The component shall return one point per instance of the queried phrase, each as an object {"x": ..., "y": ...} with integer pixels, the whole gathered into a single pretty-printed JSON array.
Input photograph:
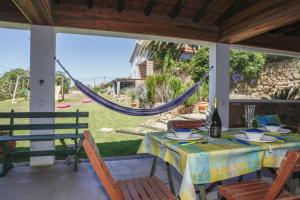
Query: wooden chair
[
  {"x": 129, "y": 189},
  {"x": 261, "y": 190}
]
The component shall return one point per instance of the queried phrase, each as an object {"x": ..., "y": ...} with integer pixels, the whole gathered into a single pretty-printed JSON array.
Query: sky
[{"x": 86, "y": 57}]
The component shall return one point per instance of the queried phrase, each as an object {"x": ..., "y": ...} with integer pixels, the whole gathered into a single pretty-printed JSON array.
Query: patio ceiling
[{"x": 273, "y": 24}]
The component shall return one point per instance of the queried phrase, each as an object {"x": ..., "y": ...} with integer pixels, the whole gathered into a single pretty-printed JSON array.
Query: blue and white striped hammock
[{"x": 131, "y": 111}]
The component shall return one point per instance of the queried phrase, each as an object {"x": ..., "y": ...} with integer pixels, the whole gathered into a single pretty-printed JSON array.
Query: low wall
[{"x": 288, "y": 111}]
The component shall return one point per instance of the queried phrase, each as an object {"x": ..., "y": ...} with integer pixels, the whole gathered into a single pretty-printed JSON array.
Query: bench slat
[
  {"x": 43, "y": 126},
  {"x": 43, "y": 114},
  {"x": 46, "y": 137},
  {"x": 42, "y": 153}
]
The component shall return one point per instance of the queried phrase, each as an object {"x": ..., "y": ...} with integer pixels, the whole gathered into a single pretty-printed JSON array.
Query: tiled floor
[{"x": 60, "y": 182}]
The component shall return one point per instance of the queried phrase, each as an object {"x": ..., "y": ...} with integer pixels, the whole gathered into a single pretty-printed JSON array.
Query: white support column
[
  {"x": 118, "y": 88},
  {"x": 219, "y": 79},
  {"x": 42, "y": 85}
]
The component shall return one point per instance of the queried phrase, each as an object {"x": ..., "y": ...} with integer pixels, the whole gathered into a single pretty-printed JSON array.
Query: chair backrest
[
  {"x": 100, "y": 167},
  {"x": 192, "y": 124},
  {"x": 260, "y": 120},
  {"x": 290, "y": 164}
]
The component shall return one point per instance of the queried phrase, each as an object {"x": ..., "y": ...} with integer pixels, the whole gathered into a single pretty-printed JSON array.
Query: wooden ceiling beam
[
  {"x": 36, "y": 12},
  {"x": 9, "y": 13},
  {"x": 293, "y": 30},
  {"x": 104, "y": 19},
  {"x": 260, "y": 18},
  {"x": 90, "y": 3},
  {"x": 274, "y": 42},
  {"x": 120, "y": 5},
  {"x": 176, "y": 9},
  {"x": 149, "y": 7},
  {"x": 202, "y": 11},
  {"x": 236, "y": 6}
]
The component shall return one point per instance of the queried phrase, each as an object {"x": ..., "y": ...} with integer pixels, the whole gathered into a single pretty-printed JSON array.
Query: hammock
[{"x": 131, "y": 111}]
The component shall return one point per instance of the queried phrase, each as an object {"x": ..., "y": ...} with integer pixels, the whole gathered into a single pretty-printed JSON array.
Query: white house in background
[{"x": 141, "y": 66}]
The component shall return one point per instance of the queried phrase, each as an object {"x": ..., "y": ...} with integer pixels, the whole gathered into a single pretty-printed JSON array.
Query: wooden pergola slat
[
  {"x": 36, "y": 12},
  {"x": 90, "y": 3},
  {"x": 149, "y": 6},
  {"x": 120, "y": 5},
  {"x": 179, "y": 5},
  {"x": 201, "y": 12},
  {"x": 260, "y": 18}
]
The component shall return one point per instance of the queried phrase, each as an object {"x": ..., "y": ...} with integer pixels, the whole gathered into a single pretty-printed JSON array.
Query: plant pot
[
  {"x": 187, "y": 110},
  {"x": 12, "y": 144},
  {"x": 202, "y": 106},
  {"x": 133, "y": 103}
]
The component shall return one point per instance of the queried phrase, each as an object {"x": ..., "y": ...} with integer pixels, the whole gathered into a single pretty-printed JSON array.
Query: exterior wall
[
  {"x": 143, "y": 71},
  {"x": 135, "y": 61},
  {"x": 288, "y": 111},
  {"x": 186, "y": 56},
  {"x": 149, "y": 67},
  {"x": 139, "y": 82}
]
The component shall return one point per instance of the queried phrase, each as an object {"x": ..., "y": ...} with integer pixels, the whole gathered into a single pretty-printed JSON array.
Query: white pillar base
[
  {"x": 219, "y": 79},
  {"x": 42, "y": 86}
]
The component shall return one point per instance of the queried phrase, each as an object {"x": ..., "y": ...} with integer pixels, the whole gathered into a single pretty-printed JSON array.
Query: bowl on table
[
  {"x": 254, "y": 134},
  {"x": 183, "y": 133},
  {"x": 272, "y": 127}
]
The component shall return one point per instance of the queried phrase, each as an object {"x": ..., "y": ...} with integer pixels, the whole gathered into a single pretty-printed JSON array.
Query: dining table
[{"x": 211, "y": 160}]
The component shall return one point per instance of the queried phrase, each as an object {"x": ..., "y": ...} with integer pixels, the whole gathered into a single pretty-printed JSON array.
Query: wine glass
[
  {"x": 249, "y": 115},
  {"x": 208, "y": 122}
]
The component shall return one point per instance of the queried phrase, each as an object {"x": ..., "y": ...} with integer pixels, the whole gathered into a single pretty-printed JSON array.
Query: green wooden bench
[{"x": 11, "y": 126}]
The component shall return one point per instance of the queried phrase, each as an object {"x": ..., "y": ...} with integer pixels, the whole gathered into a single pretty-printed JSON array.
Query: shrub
[
  {"x": 163, "y": 88},
  {"x": 141, "y": 92},
  {"x": 150, "y": 85},
  {"x": 130, "y": 92}
]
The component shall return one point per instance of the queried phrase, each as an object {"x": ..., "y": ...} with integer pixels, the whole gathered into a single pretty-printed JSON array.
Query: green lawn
[{"x": 110, "y": 143}]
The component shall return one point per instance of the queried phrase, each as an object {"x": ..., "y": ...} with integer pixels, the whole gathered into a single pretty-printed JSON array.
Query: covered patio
[
  {"x": 259, "y": 25},
  {"x": 59, "y": 182}
]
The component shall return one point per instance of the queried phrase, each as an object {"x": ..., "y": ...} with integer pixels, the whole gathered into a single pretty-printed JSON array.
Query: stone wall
[
  {"x": 278, "y": 81},
  {"x": 288, "y": 111}
]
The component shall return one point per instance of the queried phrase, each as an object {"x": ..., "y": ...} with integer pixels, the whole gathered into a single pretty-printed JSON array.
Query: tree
[
  {"x": 246, "y": 64},
  {"x": 8, "y": 82},
  {"x": 199, "y": 64},
  {"x": 61, "y": 76},
  {"x": 159, "y": 51}
]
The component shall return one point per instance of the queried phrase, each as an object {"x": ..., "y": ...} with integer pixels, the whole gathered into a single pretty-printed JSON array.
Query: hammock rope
[{"x": 132, "y": 111}]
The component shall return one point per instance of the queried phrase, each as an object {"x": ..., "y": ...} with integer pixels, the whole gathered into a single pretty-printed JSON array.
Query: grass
[{"x": 109, "y": 143}]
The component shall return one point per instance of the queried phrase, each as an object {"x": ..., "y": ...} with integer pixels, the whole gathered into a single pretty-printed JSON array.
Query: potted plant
[
  {"x": 12, "y": 144},
  {"x": 131, "y": 93},
  {"x": 202, "y": 106}
]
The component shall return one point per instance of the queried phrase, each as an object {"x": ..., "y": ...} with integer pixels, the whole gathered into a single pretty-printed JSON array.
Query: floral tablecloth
[{"x": 216, "y": 160}]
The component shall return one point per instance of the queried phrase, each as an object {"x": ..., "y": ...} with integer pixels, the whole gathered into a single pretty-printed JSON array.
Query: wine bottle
[{"x": 216, "y": 123}]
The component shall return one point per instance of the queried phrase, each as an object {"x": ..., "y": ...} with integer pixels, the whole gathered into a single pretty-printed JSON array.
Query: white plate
[
  {"x": 265, "y": 138},
  {"x": 203, "y": 128},
  {"x": 281, "y": 130},
  {"x": 284, "y": 130},
  {"x": 172, "y": 136}
]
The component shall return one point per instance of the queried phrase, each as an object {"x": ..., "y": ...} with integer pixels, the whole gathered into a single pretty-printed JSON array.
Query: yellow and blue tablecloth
[{"x": 216, "y": 160}]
